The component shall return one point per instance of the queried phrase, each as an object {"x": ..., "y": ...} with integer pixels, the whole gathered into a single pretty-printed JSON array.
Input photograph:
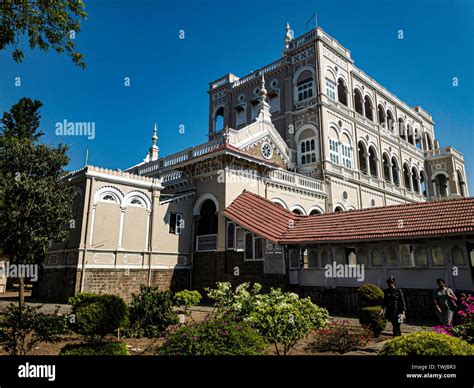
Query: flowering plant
[{"x": 465, "y": 329}]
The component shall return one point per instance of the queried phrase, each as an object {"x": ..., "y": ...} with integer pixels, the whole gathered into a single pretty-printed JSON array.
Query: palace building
[{"x": 308, "y": 161}]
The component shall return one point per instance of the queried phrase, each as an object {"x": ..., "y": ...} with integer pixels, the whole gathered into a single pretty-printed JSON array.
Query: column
[{"x": 120, "y": 239}]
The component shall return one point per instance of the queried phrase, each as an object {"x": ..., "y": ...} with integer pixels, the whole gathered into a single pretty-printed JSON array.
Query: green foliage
[
  {"x": 97, "y": 349},
  {"x": 46, "y": 24},
  {"x": 370, "y": 295},
  {"x": 20, "y": 333},
  {"x": 215, "y": 337},
  {"x": 239, "y": 303},
  {"x": 427, "y": 344},
  {"x": 95, "y": 316},
  {"x": 187, "y": 298},
  {"x": 341, "y": 337},
  {"x": 151, "y": 312},
  {"x": 36, "y": 203},
  {"x": 373, "y": 318},
  {"x": 284, "y": 318}
]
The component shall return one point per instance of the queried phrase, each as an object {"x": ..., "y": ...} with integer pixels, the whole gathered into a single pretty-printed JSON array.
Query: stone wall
[{"x": 60, "y": 284}]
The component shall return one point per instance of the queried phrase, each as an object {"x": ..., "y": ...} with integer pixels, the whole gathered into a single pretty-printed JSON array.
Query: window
[
  {"x": 406, "y": 176},
  {"x": 361, "y": 257},
  {"x": 437, "y": 256},
  {"x": 325, "y": 259},
  {"x": 239, "y": 238},
  {"x": 396, "y": 177},
  {"x": 386, "y": 168},
  {"x": 390, "y": 120},
  {"x": 346, "y": 156},
  {"x": 108, "y": 198},
  {"x": 240, "y": 116},
  {"x": 342, "y": 91},
  {"x": 274, "y": 102},
  {"x": 381, "y": 114},
  {"x": 362, "y": 159},
  {"x": 373, "y": 162},
  {"x": 457, "y": 255},
  {"x": 137, "y": 202},
  {"x": 414, "y": 180},
  {"x": 219, "y": 119},
  {"x": 312, "y": 258},
  {"x": 421, "y": 257},
  {"x": 294, "y": 259},
  {"x": 368, "y": 108},
  {"x": 405, "y": 256},
  {"x": 401, "y": 129},
  {"x": 253, "y": 247},
  {"x": 424, "y": 187},
  {"x": 305, "y": 90},
  {"x": 308, "y": 154},
  {"x": 358, "y": 102},
  {"x": 230, "y": 235},
  {"x": 340, "y": 256},
  {"x": 331, "y": 90},
  {"x": 392, "y": 258},
  {"x": 377, "y": 260},
  {"x": 176, "y": 223},
  {"x": 334, "y": 150}
]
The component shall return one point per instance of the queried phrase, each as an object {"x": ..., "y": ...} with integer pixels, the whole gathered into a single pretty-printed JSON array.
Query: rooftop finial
[
  {"x": 154, "y": 138},
  {"x": 289, "y": 35},
  {"x": 153, "y": 152},
  {"x": 263, "y": 92}
]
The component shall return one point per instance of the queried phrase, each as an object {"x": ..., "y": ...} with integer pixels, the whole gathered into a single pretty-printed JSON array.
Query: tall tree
[
  {"x": 35, "y": 200},
  {"x": 48, "y": 24}
]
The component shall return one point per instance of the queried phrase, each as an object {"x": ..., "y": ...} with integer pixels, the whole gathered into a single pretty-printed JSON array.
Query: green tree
[
  {"x": 48, "y": 25},
  {"x": 35, "y": 200}
]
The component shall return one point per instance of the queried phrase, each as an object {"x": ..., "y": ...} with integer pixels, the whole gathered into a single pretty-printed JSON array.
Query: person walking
[
  {"x": 394, "y": 306},
  {"x": 445, "y": 302}
]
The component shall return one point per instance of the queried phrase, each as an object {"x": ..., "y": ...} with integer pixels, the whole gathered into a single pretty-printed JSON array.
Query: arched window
[
  {"x": 437, "y": 256},
  {"x": 457, "y": 255},
  {"x": 137, "y": 202},
  {"x": 342, "y": 91},
  {"x": 382, "y": 116},
  {"x": 294, "y": 258},
  {"x": 441, "y": 183},
  {"x": 274, "y": 101},
  {"x": 340, "y": 256},
  {"x": 405, "y": 256},
  {"x": 108, "y": 198},
  {"x": 395, "y": 172},
  {"x": 418, "y": 143},
  {"x": 410, "y": 134},
  {"x": 208, "y": 218},
  {"x": 429, "y": 142},
  {"x": 390, "y": 120},
  {"x": 315, "y": 212},
  {"x": 312, "y": 258},
  {"x": 406, "y": 176},
  {"x": 240, "y": 115},
  {"x": 307, "y": 146},
  {"x": 461, "y": 184},
  {"x": 377, "y": 259},
  {"x": 401, "y": 129},
  {"x": 297, "y": 211},
  {"x": 358, "y": 105},
  {"x": 304, "y": 85},
  {"x": 423, "y": 184},
  {"x": 414, "y": 179},
  {"x": 392, "y": 257},
  {"x": 362, "y": 158},
  {"x": 361, "y": 256},
  {"x": 219, "y": 119},
  {"x": 338, "y": 209},
  {"x": 368, "y": 108},
  {"x": 421, "y": 257},
  {"x": 386, "y": 168},
  {"x": 373, "y": 161},
  {"x": 325, "y": 258}
]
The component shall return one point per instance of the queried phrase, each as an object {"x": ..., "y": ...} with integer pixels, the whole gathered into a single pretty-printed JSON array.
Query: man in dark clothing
[{"x": 394, "y": 305}]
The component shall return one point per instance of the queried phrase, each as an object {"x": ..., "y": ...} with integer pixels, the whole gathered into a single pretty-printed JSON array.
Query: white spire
[
  {"x": 289, "y": 35},
  {"x": 153, "y": 152},
  {"x": 263, "y": 106}
]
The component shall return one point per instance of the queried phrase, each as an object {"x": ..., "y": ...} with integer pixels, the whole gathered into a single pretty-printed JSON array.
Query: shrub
[
  {"x": 370, "y": 295},
  {"x": 215, "y": 337},
  {"x": 284, "y": 318},
  {"x": 465, "y": 330},
  {"x": 20, "y": 333},
  {"x": 427, "y": 344},
  {"x": 341, "y": 337},
  {"x": 239, "y": 303},
  {"x": 151, "y": 312},
  {"x": 95, "y": 316},
  {"x": 97, "y": 349},
  {"x": 373, "y": 319}
]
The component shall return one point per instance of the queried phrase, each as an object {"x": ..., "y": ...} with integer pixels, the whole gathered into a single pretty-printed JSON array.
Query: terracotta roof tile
[{"x": 276, "y": 224}]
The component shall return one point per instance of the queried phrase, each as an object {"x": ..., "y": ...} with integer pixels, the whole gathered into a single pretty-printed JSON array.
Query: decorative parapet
[{"x": 444, "y": 151}]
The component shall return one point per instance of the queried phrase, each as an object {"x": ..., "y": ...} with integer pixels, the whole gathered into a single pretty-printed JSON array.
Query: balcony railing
[
  {"x": 206, "y": 243},
  {"x": 444, "y": 151},
  {"x": 296, "y": 180},
  {"x": 305, "y": 103}
]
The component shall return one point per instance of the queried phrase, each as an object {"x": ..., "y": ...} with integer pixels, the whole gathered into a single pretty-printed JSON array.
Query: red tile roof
[{"x": 426, "y": 219}]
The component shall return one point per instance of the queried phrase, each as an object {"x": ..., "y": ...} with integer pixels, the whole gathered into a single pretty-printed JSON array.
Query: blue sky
[{"x": 169, "y": 77}]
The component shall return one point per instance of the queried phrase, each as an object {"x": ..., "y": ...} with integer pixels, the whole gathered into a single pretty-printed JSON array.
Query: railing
[
  {"x": 171, "y": 176},
  {"x": 308, "y": 37},
  {"x": 259, "y": 72},
  {"x": 206, "y": 243},
  {"x": 305, "y": 103},
  {"x": 297, "y": 180},
  {"x": 444, "y": 151}
]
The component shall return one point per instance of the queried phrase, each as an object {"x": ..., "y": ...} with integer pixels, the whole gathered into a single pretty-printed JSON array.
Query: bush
[
  {"x": 95, "y": 316},
  {"x": 373, "y": 319},
  {"x": 427, "y": 344},
  {"x": 370, "y": 295},
  {"x": 239, "y": 303},
  {"x": 186, "y": 299},
  {"x": 97, "y": 349},
  {"x": 465, "y": 329},
  {"x": 215, "y": 337},
  {"x": 20, "y": 333},
  {"x": 151, "y": 312},
  {"x": 341, "y": 337},
  {"x": 284, "y": 318}
]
